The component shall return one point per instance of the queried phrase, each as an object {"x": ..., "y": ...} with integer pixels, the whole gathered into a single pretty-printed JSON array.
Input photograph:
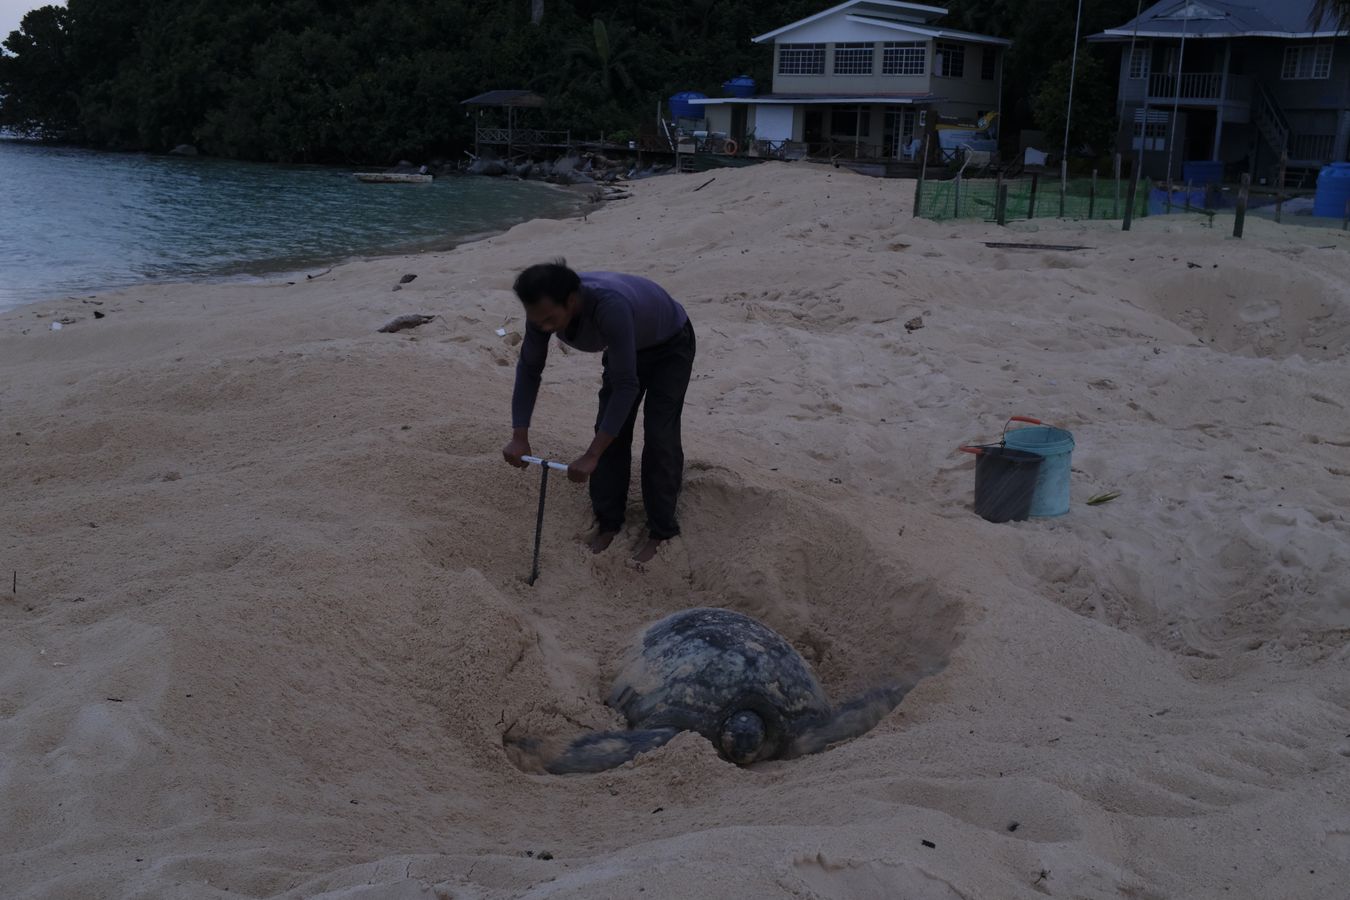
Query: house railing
[
  {"x": 523, "y": 137},
  {"x": 1312, "y": 147},
  {"x": 1191, "y": 86},
  {"x": 845, "y": 149}
]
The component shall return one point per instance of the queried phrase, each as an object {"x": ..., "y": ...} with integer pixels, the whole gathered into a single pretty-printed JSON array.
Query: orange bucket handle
[{"x": 1011, "y": 419}]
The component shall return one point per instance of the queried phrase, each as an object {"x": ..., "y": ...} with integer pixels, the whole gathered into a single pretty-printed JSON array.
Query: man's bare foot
[
  {"x": 648, "y": 550},
  {"x": 600, "y": 543}
]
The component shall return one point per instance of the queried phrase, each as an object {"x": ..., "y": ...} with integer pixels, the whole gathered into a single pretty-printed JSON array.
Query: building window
[
  {"x": 1150, "y": 135},
  {"x": 904, "y": 58},
  {"x": 1140, "y": 57},
  {"x": 950, "y": 60},
  {"x": 853, "y": 59},
  {"x": 850, "y": 121},
  {"x": 989, "y": 65},
  {"x": 1307, "y": 61},
  {"x": 801, "y": 59}
]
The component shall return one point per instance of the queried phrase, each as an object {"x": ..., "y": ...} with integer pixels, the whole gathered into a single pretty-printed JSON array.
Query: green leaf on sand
[{"x": 1103, "y": 498}]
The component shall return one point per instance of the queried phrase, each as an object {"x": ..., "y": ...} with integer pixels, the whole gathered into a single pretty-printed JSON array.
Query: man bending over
[{"x": 646, "y": 344}]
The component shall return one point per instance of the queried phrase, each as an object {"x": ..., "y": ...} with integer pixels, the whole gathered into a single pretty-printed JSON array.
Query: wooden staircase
[
  {"x": 1271, "y": 122},
  {"x": 1272, "y": 125}
]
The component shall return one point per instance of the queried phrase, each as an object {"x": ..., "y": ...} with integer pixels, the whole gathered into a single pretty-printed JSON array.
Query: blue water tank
[
  {"x": 1333, "y": 191},
  {"x": 681, "y": 108},
  {"x": 740, "y": 86},
  {"x": 1202, "y": 172}
]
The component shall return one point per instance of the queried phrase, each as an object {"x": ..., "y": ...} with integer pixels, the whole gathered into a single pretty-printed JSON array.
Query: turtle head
[{"x": 742, "y": 738}]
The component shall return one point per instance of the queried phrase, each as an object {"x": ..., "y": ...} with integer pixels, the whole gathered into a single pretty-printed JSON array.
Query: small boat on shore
[{"x": 392, "y": 177}]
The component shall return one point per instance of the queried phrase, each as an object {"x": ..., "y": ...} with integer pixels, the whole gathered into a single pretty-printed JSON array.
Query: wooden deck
[{"x": 879, "y": 168}]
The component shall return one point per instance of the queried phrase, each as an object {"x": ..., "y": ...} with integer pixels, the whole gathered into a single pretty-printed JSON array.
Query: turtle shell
[{"x": 695, "y": 668}]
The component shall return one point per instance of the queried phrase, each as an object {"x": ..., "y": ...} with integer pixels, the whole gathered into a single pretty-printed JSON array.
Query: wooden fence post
[
  {"x": 1130, "y": 196},
  {"x": 1240, "y": 220},
  {"x": 1279, "y": 186},
  {"x": 1063, "y": 184},
  {"x": 923, "y": 171},
  {"x": 1115, "y": 210},
  {"x": 1131, "y": 193}
]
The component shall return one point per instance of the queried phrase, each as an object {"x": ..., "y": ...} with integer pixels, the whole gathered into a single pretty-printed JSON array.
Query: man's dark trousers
[{"x": 663, "y": 377}]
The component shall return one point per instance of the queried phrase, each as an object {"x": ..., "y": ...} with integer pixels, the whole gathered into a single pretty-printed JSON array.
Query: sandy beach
[{"x": 271, "y": 623}]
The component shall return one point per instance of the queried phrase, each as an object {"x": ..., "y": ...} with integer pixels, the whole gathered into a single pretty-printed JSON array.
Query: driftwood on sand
[{"x": 402, "y": 322}]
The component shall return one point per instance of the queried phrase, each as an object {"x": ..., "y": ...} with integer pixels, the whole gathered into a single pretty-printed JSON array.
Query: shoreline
[
  {"x": 281, "y": 266},
  {"x": 267, "y": 274},
  {"x": 279, "y": 269}
]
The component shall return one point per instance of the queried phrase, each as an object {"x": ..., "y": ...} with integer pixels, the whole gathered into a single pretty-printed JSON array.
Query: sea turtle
[{"x": 729, "y": 678}]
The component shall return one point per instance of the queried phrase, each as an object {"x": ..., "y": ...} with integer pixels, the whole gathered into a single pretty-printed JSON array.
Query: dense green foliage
[
  {"x": 335, "y": 80},
  {"x": 1037, "y": 71},
  {"x": 1094, "y": 104}
]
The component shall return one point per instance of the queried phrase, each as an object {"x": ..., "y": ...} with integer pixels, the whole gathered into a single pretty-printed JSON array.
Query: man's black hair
[{"x": 552, "y": 280}]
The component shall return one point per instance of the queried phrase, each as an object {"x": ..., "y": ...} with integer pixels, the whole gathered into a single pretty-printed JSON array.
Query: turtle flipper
[
  {"x": 848, "y": 721},
  {"x": 601, "y": 750}
]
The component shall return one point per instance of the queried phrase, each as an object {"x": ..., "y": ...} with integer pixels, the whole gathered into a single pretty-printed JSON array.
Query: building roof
[
  {"x": 916, "y": 13},
  {"x": 817, "y": 99},
  {"x": 931, "y": 31},
  {"x": 506, "y": 98},
  {"x": 1224, "y": 19}
]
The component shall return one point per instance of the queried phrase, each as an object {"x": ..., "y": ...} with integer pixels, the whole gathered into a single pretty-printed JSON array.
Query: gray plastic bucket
[
  {"x": 1055, "y": 445},
  {"x": 1005, "y": 482}
]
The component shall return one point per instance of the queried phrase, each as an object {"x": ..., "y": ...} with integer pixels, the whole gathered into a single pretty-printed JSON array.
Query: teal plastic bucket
[{"x": 1055, "y": 445}]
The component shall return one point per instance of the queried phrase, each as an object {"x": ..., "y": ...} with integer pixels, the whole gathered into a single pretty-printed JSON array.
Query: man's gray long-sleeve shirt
[{"x": 619, "y": 314}]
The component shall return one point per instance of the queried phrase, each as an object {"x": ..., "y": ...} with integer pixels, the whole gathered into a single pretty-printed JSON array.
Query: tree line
[{"x": 342, "y": 81}]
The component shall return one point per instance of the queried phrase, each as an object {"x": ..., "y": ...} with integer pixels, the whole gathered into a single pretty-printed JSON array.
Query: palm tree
[{"x": 600, "y": 62}]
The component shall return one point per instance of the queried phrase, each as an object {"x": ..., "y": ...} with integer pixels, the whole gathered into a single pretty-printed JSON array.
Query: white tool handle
[{"x": 534, "y": 460}]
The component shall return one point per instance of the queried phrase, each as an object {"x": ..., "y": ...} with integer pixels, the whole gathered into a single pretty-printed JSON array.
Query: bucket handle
[{"x": 1011, "y": 419}]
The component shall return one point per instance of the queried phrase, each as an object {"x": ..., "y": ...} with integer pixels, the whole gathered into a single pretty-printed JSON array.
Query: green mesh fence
[{"x": 977, "y": 198}]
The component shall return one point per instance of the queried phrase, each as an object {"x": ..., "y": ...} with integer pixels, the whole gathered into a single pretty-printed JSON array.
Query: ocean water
[{"x": 78, "y": 221}]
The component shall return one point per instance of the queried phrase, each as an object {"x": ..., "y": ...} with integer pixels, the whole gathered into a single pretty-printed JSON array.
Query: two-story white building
[{"x": 865, "y": 79}]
